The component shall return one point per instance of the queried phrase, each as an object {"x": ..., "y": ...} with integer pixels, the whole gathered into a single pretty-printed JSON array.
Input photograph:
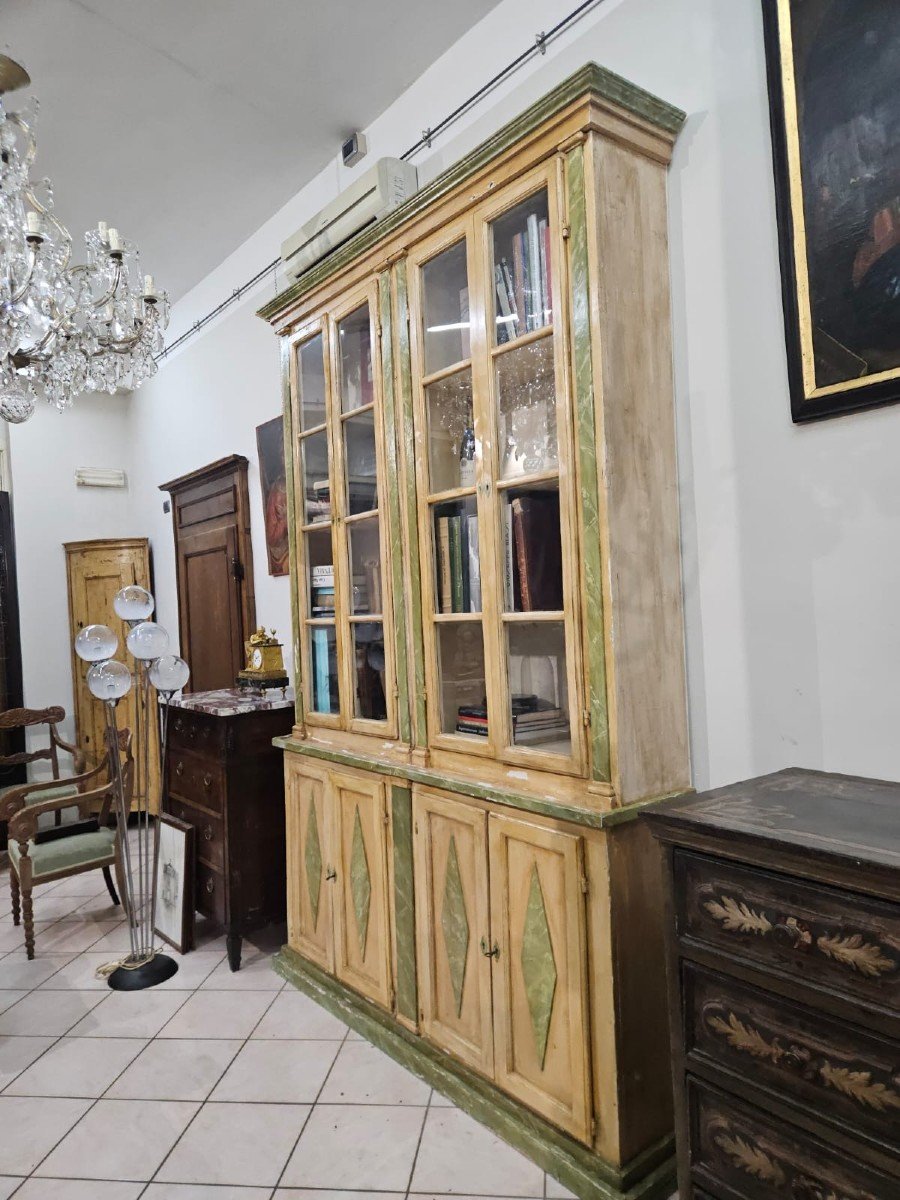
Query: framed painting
[
  {"x": 173, "y": 916},
  {"x": 835, "y": 112},
  {"x": 270, "y": 446}
]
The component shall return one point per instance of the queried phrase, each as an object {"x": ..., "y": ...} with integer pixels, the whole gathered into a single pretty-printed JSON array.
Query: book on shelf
[
  {"x": 523, "y": 281},
  {"x": 444, "y": 574},
  {"x": 534, "y": 552},
  {"x": 458, "y": 569},
  {"x": 474, "y": 564},
  {"x": 472, "y": 718},
  {"x": 506, "y": 317}
]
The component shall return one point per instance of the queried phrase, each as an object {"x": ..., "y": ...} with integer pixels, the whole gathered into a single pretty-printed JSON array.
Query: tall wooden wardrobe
[{"x": 480, "y": 450}]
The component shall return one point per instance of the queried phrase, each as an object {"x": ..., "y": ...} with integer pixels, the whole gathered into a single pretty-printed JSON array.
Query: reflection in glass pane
[
  {"x": 368, "y": 648},
  {"x": 323, "y": 669},
  {"x": 460, "y": 650},
  {"x": 365, "y": 566},
  {"x": 538, "y": 686},
  {"x": 526, "y": 394},
  {"x": 316, "y": 487},
  {"x": 532, "y": 549},
  {"x": 457, "y": 566},
  {"x": 320, "y": 561},
  {"x": 451, "y": 432},
  {"x": 311, "y": 382},
  {"x": 355, "y": 351},
  {"x": 523, "y": 284},
  {"x": 360, "y": 464},
  {"x": 445, "y": 294}
]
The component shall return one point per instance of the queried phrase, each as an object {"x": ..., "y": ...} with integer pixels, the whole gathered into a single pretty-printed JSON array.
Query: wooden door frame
[{"x": 233, "y": 466}]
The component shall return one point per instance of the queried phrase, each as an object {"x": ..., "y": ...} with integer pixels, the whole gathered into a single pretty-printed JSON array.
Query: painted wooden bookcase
[{"x": 481, "y": 469}]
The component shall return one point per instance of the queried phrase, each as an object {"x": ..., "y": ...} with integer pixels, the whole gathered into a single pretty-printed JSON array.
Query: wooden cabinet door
[
  {"x": 309, "y": 866},
  {"x": 362, "y": 944},
  {"x": 453, "y": 928},
  {"x": 96, "y": 571},
  {"x": 540, "y": 1005}
]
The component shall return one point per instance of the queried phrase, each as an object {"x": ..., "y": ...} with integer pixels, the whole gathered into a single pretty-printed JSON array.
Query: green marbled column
[
  {"x": 405, "y": 414},
  {"x": 293, "y": 564},
  {"x": 404, "y": 901},
  {"x": 395, "y": 538},
  {"x": 586, "y": 439}
]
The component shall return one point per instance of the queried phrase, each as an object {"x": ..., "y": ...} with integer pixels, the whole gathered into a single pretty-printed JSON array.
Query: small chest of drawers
[
  {"x": 224, "y": 777},
  {"x": 784, "y": 986}
]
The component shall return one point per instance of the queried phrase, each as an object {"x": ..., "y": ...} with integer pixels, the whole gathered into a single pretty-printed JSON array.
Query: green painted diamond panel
[
  {"x": 312, "y": 858},
  {"x": 455, "y": 924},
  {"x": 360, "y": 882},
  {"x": 538, "y": 965}
]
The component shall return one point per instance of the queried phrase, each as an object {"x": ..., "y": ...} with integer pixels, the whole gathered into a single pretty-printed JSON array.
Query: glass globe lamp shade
[
  {"x": 96, "y": 643},
  {"x": 169, "y": 673},
  {"x": 133, "y": 603},
  {"x": 147, "y": 641},
  {"x": 109, "y": 680}
]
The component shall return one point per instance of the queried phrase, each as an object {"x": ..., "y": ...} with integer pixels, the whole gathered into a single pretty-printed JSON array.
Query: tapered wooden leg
[
  {"x": 14, "y": 894},
  {"x": 110, "y": 887},
  {"x": 28, "y": 915}
]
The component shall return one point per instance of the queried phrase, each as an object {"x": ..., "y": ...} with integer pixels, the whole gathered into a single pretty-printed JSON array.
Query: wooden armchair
[
  {"x": 24, "y": 718},
  {"x": 39, "y": 856}
]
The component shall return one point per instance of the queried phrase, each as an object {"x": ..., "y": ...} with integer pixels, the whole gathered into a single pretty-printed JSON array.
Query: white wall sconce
[{"x": 99, "y": 477}]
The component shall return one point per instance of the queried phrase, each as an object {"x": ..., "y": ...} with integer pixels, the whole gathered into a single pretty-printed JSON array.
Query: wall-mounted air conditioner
[{"x": 368, "y": 199}]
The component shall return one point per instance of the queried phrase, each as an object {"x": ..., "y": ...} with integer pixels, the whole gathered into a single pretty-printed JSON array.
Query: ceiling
[{"x": 187, "y": 123}]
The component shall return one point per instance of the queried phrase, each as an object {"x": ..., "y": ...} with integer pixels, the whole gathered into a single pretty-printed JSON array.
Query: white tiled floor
[{"x": 213, "y": 1086}]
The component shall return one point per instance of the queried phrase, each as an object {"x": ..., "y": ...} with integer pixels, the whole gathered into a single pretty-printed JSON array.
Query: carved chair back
[{"x": 23, "y": 718}]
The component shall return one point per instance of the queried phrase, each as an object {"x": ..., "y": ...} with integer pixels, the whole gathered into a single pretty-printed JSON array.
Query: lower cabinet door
[
  {"x": 362, "y": 944},
  {"x": 309, "y": 866},
  {"x": 453, "y": 929},
  {"x": 540, "y": 1007}
]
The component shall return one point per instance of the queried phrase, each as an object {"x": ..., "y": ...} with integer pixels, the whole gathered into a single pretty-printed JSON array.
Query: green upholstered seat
[
  {"x": 55, "y": 791},
  {"x": 79, "y": 850}
]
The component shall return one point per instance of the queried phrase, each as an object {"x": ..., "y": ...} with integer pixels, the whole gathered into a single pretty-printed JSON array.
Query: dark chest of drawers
[
  {"x": 224, "y": 777},
  {"x": 784, "y": 987}
]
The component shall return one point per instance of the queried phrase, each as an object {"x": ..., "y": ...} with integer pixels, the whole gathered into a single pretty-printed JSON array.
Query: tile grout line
[
  {"x": 203, "y": 1103},
  {"x": 412, "y": 1169}
]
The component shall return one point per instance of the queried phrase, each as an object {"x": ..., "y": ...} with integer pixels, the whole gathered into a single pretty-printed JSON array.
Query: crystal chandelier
[{"x": 64, "y": 329}]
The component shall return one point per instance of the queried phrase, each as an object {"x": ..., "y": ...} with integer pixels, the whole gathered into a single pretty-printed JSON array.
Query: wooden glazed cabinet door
[
  {"x": 309, "y": 866},
  {"x": 362, "y": 943},
  {"x": 96, "y": 571},
  {"x": 540, "y": 1005},
  {"x": 453, "y": 928}
]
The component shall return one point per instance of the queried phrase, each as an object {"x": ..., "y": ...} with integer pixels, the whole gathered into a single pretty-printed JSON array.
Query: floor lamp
[{"x": 157, "y": 676}]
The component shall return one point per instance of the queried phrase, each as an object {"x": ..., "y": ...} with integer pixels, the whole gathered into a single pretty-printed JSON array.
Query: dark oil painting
[
  {"x": 834, "y": 90},
  {"x": 270, "y": 445}
]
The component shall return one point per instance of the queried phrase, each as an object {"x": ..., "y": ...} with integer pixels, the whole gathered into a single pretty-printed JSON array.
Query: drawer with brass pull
[
  {"x": 209, "y": 835},
  {"x": 750, "y": 1154},
  {"x": 210, "y": 892},
  {"x": 831, "y": 938},
  {"x": 851, "y": 1077},
  {"x": 196, "y": 780}
]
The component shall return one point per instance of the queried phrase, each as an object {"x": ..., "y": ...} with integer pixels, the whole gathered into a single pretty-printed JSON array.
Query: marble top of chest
[{"x": 234, "y": 702}]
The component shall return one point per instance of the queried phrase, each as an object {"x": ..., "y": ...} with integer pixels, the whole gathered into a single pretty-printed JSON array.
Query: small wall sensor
[{"x": 354, "y": 149}]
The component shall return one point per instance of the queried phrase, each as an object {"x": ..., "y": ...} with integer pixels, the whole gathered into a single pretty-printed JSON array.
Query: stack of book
[
  {"x": 524, "y": 286},
  {"x": 535, "y": 720},
  {"x": 459, "y": 569},
  {"x": 533, "y": 553},
  {"x": 318, "y": 501},
  {"x": 472, "y": 718},
  {"x": 322, "y": 587}
]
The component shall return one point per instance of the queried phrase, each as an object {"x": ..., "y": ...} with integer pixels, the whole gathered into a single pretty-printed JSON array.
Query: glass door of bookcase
[
  {"x": 315, "y": 516},
  {"x": 347, "y": 665},
  {"x": 495, "y": 469},
  {"x": 533, "y": 500},
  {"x": 361, "y": 536}
]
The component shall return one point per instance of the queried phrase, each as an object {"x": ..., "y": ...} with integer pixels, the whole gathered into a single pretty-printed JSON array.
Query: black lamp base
[{"x": 157, "y": 970}]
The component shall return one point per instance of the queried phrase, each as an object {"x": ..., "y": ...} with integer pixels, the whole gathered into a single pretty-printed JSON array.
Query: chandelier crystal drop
[{"x": 64, "y": 329}]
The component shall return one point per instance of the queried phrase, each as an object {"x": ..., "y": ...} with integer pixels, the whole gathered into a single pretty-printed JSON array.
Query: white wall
[
  {"x": 789, "y": 563},
  {"x": 49, "y": 510}
]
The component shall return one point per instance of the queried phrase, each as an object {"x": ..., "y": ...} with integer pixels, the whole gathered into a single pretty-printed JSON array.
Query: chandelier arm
[
  {"x": 26, "y": 282},
  {"x": 110, "y": 295}
]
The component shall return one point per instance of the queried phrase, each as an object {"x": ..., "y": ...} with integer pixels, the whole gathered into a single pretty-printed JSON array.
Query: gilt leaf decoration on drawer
[
  {"x": 861, "y": 1087},
  {"x": 749, "y": 1158},
  {"x": 854, "y": 951},
  {"x": 745, "y": 1038},
  {"x": 737, "y": 916}
]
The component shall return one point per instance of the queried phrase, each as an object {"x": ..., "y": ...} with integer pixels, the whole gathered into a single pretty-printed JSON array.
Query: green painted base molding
[{"x": 649, "y": 1177}]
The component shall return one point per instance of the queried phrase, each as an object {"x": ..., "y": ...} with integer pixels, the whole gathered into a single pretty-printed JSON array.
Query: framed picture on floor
[
  {"x": 270, "y": 447},
  {"x": 835, "y": 113},
  {"x": 173, "y": 918}
]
